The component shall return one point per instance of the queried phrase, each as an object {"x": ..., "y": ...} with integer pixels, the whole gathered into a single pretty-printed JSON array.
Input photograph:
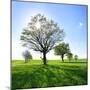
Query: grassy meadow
[{"x": 55, "y": 74}]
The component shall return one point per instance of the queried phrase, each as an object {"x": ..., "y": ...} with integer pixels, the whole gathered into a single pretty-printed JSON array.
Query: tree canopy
[
  {"x": 69, "y": 56},
  {"x": 41, "y": 34},
  {"x": 76, "y": 57},
  {"x": 26, "y": 54},
  {"x": 62, "y": 49}
]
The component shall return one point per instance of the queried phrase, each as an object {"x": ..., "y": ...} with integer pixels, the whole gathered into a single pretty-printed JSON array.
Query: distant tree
[
  {"x": 41, "y": 35},
  {"x": 29, "y": 57},
  {"x": 76, "y": 57},
  {"x": 26, "y": 54},
  {"x": 69, "y": 56},
  {"x": 62, "y": 49}
]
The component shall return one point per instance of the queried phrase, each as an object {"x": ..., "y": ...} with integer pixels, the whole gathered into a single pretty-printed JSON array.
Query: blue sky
[{"x": 73, "y": 18}]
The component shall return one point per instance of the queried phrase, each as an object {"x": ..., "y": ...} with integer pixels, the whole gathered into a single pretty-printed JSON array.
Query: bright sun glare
[{"x": 37, "y": 25}]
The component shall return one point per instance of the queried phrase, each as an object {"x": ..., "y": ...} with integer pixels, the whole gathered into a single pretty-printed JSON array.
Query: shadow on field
[{"x": 38, "y": 76}]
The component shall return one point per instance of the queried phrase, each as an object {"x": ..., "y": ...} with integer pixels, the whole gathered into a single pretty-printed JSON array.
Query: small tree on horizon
[
  {"x": 41, "y": 35},
  {"x": 69, "y": 56},
  {"x": 26, "y": 54},
  {"x": 62, "y": 49},
  {"x": 76, "y": 57}
]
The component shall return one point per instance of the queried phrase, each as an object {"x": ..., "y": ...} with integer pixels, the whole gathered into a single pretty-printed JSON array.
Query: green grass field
[{"x": 55, "y": 74}]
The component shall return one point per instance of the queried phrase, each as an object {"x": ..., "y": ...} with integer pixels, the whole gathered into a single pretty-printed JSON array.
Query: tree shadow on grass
[{"x": 48, "y": 76}]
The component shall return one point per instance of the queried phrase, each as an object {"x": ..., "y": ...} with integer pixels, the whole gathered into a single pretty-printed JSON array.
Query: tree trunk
[
  {"x": 25, "y": 61},
  {"x": 62, "y": 56},
  {"x": 44, "y": 58}
]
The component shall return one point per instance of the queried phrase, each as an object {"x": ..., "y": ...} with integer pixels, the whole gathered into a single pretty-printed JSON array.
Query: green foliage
[
  {"x": 70, "y": 56},
  {"x": 36, "y": 75},
  {"x": 76, "y": 57},
  {"x": 26, "y": 54},
  {"x": 62, "y": 49}
]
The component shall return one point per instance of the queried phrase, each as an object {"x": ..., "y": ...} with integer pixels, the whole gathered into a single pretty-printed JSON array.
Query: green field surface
[{"x": 55, "y": 74}]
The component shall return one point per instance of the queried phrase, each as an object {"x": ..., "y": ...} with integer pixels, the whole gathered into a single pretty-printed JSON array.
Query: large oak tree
[{"x": 41, "y": 34}]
